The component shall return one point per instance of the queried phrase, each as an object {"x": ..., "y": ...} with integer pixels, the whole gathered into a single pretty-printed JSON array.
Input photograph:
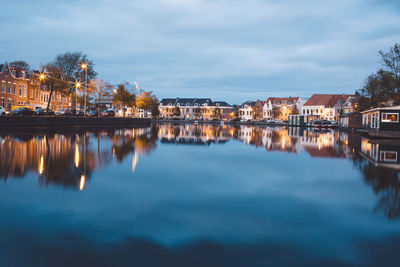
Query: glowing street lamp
[
  {"x": 77, "y": 86},
  {"x": 84, "y": 66},
  {"x": 41, "y": 78}
]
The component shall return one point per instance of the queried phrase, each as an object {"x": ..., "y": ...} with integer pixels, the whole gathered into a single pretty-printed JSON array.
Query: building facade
[
  {"x": 247, "y": 111},
  {"x": 194, "y": 108},
  {"x": 14, "y": 83},
  {"x": 281, "y": 107},
  {"x": 328, "y": 107},
  {"x": 19, "y": 88}
]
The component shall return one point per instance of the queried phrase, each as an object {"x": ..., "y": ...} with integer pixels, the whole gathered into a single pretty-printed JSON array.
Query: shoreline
[{"x": 70, "y": 121}]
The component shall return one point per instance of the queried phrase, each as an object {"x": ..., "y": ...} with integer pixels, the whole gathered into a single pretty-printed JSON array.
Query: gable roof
[
  {"x": 280, "y": 100},
  {"x": 327, "y": 100}
]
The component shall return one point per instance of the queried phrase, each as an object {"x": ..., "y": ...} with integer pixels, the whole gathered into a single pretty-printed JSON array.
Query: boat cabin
[
  {"x": 382, "y": 119},
  {"x": 350, "y": 120}
]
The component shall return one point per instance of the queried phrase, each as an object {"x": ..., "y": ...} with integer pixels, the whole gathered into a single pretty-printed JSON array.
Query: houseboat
[{"x": 382, "y": 122}]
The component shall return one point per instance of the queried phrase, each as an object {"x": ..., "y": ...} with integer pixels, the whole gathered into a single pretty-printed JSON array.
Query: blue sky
[{"x": 224, "y": 49}]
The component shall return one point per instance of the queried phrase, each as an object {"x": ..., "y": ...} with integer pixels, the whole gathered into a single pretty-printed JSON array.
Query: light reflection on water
[{"x": 198, "y": 195}]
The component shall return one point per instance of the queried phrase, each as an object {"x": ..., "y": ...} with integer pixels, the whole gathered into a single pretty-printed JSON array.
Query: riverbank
[{"x": 51, "y": 121}]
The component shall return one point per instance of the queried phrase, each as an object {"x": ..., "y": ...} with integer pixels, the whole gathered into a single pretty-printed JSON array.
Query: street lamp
[
  {"x": 77, "y": 86},
  {"x": 41, "y": 78},
  {"x": 84, "y": 66}
]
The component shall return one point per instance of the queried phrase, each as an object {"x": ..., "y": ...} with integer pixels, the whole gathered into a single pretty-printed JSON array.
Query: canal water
[{"x": 198, "y": 195}]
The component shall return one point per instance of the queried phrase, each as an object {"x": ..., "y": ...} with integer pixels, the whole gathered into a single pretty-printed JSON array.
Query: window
[
  {"x": 31, "y": 93},
  {"x": 9, "y": 88},
  {"x": 3, "y": 102},
  {"x": 388, "y": 156},
  {"x": 20, "y": 90},
  {"x": 3, "y": 86},
  {"x": 15, "y": 89},
  {"x": 390, "y": 117}
]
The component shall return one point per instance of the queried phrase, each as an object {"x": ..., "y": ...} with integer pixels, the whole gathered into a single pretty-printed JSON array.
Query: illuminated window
[
  {"x": 388, "y": 156},
  {"x": 390, "y": 117}
]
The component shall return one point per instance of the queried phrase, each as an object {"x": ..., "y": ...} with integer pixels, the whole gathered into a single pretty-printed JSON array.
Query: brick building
[
  {"x": 19, "y": 88},
  {"x": 14, "y": 85}
]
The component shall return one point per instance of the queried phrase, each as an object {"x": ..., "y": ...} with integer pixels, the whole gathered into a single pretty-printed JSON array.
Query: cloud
[{"x": 175, "y": 46}]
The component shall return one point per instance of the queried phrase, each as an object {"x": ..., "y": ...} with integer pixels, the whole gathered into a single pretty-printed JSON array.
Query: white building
[
  {"x": 246, "y": 111},
  {"x": 284, "y": 105},
  {"x": 194, "y": 108},
  {"x": 328, "y": 107}
]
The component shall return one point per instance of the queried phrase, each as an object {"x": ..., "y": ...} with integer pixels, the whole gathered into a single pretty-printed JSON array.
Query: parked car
[
  {"x": 92, "y": 113},
  {"x": 64, "y": 112},
  {"x": 108, "y": 113},
  {"x": 43, "y": 112},
  {"x": 23, "y": 111},
  {"x": 2, "y": 111}
]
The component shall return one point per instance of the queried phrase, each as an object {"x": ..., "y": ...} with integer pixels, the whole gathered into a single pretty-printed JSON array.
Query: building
[
  {"x": 19, "y": 88},
  {"x": 14, "y": 84},
  {"x": 247, "y": 111},
  {"x": 328, "y": 107},
  {"x": 382, "y": 119},
  {"x": 281, "y": 107},
  {"x": 194, "y": 108}
]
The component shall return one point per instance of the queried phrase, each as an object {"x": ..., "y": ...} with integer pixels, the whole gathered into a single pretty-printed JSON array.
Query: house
[
  {"x": 20, "y": 88},
  {"x": 382, "y": 119},
  {"x": 14, "y": 83},
  {"x": 351, "y": 120},
  {"x": 194, "y": 108},
  {"x": 246, "y": 111},
  {"x": 281, "y": 107},
  {"x": 328, "y": 106}
]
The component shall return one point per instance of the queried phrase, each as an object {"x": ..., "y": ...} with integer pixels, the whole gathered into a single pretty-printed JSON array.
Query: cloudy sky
[{"x": 231, "y": 50}]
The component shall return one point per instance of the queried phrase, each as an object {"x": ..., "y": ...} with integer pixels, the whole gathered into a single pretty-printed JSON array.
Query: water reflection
[
  {"x": 377, "y": 160},
  {"x": 69, "y": 157}
]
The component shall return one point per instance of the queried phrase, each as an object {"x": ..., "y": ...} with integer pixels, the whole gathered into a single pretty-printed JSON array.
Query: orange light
[
  {"x": 41, "y": 165},
  {"x": 42, "y": 77},
  {"x": 84, "y": 66},
  {"x": 82, "y": 183}
]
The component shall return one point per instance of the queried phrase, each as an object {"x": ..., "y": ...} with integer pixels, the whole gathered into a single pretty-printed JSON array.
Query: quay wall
[{"x": 51, "y": 121}]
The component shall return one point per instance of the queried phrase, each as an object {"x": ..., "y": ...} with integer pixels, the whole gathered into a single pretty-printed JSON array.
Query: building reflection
[
  {"x": 69, "y": 159},
  {"x": 377, "y": 160}
]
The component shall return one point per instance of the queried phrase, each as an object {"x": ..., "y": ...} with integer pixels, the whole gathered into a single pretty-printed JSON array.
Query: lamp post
[
  {"x": 84, "y": 66},
  {"x": 41, "y": 78},
  {"x": 77, "y": 85}
]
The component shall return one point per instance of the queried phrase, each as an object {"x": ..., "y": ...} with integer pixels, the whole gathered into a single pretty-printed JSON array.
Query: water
[{"x": 198, "y": 195}]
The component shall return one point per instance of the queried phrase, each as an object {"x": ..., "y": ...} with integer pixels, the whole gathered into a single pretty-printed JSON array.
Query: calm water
[{"x": 207, "y": 195}]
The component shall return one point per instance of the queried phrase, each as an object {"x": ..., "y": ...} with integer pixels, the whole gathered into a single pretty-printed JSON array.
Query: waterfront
[{"x": 198, "y": 195}]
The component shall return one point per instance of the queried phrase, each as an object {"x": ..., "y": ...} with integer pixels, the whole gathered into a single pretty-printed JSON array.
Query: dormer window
[{"x": 179, "y": 104}]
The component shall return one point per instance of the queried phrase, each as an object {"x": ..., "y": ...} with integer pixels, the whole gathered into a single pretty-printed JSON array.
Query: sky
[{"x": 223, "y": 49}]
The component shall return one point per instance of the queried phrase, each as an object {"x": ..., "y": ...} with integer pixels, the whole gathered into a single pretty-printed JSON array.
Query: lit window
[
  {"x": 390, "y": 117},
  {"x": 388, "y": 156}
]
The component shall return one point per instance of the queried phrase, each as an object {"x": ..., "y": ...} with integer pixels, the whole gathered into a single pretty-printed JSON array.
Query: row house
[
  {"x": 14, "y": 83},
  {"x": 194, "y": 108},
  {"x": 247, "y": 111},
  {"x": 19, "y": 88},
  {"x": 328, "y": 106},
  {"x": 281, "y": 107}
]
